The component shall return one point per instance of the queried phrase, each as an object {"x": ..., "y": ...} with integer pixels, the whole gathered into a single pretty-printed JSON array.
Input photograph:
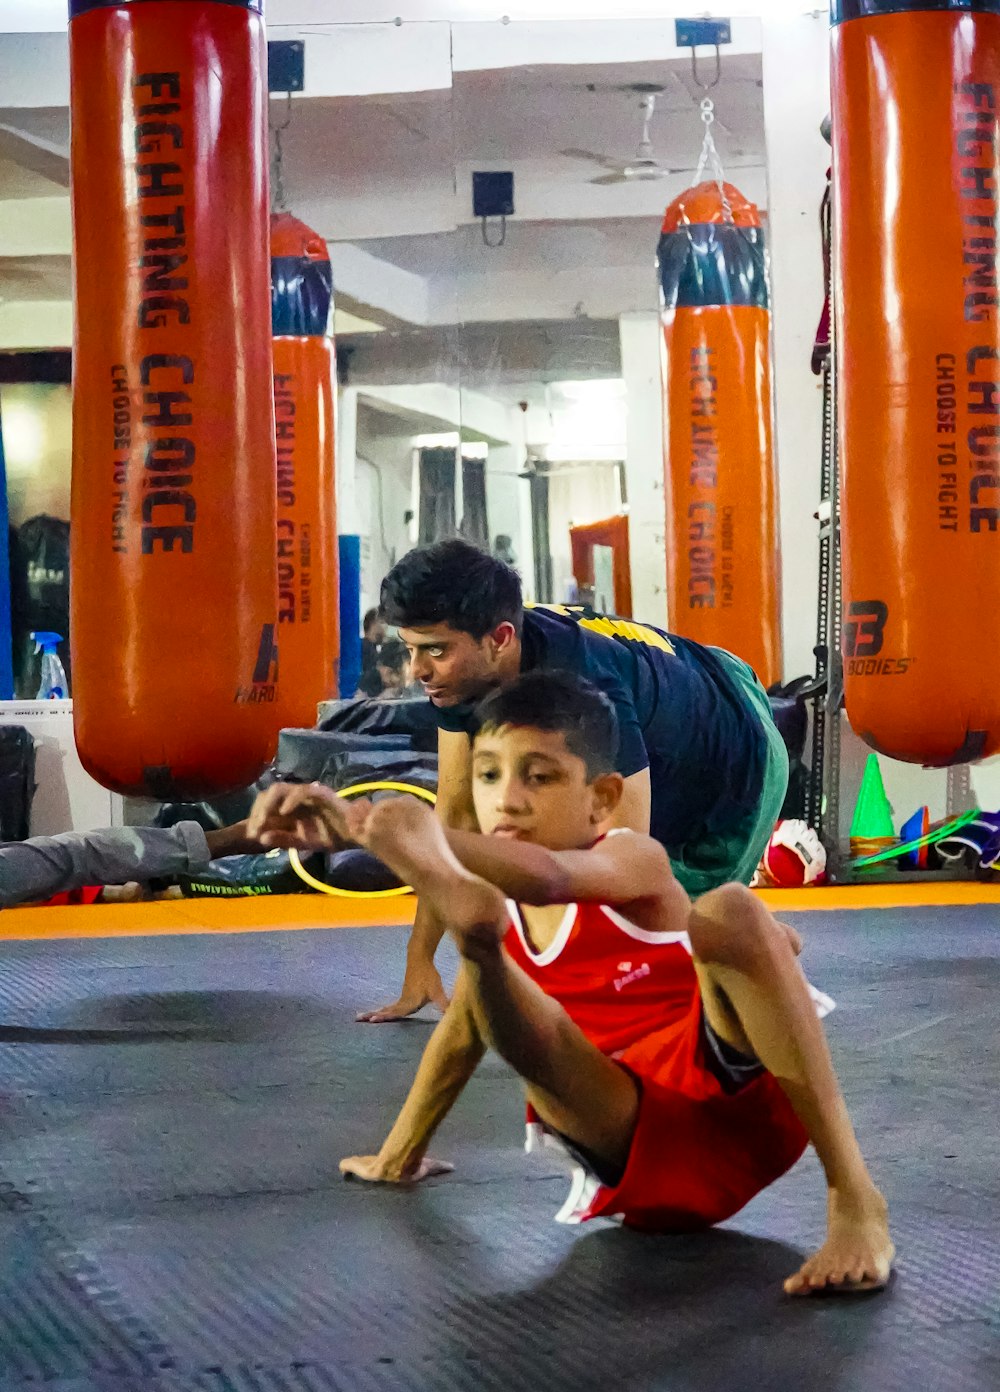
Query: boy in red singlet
[{"x": 674, "y": 1051}]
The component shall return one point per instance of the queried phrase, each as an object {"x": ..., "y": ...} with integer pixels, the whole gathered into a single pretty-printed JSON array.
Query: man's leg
[
  {"x": 757, "y": 1000},
  {"x": 421, "y": 982}
]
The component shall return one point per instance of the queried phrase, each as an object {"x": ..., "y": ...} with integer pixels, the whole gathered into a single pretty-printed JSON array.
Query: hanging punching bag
[
  {"x": 916, "y": 89},
  {"x": 305, "y": 424},
  {"x": 723, "y": 573},
  {"x": 173, "y": 502}
]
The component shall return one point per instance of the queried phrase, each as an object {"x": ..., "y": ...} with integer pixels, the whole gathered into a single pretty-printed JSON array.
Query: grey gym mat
[{"x": 171, "y": 1215}]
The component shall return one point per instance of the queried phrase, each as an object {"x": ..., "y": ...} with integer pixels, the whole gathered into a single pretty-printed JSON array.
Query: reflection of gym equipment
[
  {"x": 723, "y": 572},
  {"x": 642, "y": 167},
  {"x": 377, "y": 786},
  {"x": 305, "y": 424},
  {"x": 172, "y": 549},
  {"x": 601, "y": 565}
]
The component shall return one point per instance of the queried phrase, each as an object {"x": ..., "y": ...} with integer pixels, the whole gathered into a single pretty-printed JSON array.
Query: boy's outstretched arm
[
  {"x": 451, "y": 1057},
  {"x": 621, "y": 869}
]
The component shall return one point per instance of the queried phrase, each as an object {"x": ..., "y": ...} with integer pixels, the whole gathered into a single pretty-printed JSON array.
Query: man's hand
[
  {"x": 307, "y": 816},
  {"x": 374, "y": 1170}
]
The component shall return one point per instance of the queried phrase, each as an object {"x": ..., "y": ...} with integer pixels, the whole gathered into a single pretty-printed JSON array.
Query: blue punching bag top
[{"x": 79, "y": 7}]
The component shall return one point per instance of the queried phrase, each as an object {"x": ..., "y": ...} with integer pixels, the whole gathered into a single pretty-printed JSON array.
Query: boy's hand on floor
[{"x": 374, "y": 1170}]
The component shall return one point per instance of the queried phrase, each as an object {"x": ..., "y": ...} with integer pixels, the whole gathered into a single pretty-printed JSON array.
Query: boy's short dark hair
[
  {"x": 558, "y": 702},
  {"x": 393, "y": 654},
  {"x": 369, "y": 619},
  {"x": 453, "y": 583}
]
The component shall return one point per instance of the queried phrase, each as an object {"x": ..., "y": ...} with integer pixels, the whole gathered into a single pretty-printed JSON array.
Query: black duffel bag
[
  {"x": 17, "y": 782},
  {"x": 791, "y": 715},
  {"x": 415, "y": 719}
]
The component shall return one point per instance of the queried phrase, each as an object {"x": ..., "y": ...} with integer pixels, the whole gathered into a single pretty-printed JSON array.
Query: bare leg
[
  {"x": 572, "y": 1086},
  {"x": 757, "y": 999},
  {"x": 421, "y": 981}
]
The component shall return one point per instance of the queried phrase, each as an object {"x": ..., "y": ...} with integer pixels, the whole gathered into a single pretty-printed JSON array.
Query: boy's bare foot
[
  {"x": 794, "y": 939},
  {"x": 857, "y": 1254},
  {"x": 421, "y": 986}
]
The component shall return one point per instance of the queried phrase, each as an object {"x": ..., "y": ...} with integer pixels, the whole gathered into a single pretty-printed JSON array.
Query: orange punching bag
[
  {"x": 916, "y": 93},
  {"x": 305, "y": 424},
  {"x": 173, "y": 503},
  {"x": 723, "y": 571}
]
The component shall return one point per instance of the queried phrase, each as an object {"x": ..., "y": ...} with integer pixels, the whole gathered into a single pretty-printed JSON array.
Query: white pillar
[
  {"x": 347, "y": 461},
  {"x": 640, "y": 345},
  {"x": 796, "y": 98}
]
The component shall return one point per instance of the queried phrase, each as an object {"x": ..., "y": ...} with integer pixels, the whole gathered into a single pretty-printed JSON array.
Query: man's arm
[
  {"x": 634, "y": 809},
  {"x": 451, "y": 1057},
  {"x": 48, "y": 865},
  {"x": 454, "y": 791},
  {"x": 421, "y": 981},
  {"x": 311, "y": 817}
]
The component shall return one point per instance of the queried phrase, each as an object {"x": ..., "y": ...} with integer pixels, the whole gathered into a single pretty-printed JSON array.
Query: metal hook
[
  {"x": 493, "y": 245},
  {"x": 278, "y": 172},
  {"x": 278, "y": 154},
  {"x": 288, "y": 115},
  {"x": 706, "y": 86}
]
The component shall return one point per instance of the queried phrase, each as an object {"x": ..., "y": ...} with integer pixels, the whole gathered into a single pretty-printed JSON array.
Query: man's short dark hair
[
  {"x": 370, "y": 618},
  {"x": 393, "y": 655},
  {"x": 558, "y": 702},
  {"x": 453, "y": 583}
]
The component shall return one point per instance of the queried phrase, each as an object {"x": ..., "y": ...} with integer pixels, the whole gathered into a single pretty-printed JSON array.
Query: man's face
[
  {"x": 451, "y": 666},
  {"x": 527, "y": 786}
]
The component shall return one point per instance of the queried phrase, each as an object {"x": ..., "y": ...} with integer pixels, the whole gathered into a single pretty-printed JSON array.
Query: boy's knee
[{"x": 729, "y": 926}]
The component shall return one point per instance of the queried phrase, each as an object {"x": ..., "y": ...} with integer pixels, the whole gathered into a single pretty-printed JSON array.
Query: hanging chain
[
  {"x": 278, "y": 198},
  {"x": 710, "y": 158}
]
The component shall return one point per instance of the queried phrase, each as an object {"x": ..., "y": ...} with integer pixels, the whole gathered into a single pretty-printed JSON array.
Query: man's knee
[{"x": 730, "y": 926}]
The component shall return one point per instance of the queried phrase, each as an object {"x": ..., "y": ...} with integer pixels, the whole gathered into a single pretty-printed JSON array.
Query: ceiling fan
[{"x": 642, "y": 167}]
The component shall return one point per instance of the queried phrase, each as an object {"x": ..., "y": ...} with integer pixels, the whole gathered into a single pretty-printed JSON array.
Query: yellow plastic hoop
[{"x": 379, "y": 786}]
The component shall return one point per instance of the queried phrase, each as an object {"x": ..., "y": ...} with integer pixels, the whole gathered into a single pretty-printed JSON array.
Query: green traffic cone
[{"x": 872, "y": 821}]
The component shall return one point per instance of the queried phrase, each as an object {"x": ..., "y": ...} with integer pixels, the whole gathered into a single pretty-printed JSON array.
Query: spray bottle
[{"x": 54, "y": 685}]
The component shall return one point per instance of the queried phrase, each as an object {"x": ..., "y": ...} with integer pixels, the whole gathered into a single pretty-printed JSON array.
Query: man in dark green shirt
[{"x": 705, "y": 768}]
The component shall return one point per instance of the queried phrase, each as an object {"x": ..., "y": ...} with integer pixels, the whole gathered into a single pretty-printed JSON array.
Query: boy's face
[
  {"x": 453, "y": 666},
  {"x": 528, "y": 786}
]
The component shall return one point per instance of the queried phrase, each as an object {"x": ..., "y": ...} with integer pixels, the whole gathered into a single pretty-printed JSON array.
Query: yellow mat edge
[
  {"x": 293, "y": 912},
  {"x": 297, "y": 912}
]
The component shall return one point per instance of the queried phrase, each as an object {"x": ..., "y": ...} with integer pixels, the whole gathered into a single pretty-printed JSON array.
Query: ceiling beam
[{"x": 33, "y": 153}]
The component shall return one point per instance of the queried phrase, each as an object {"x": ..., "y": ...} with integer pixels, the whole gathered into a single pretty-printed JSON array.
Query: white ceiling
[
  {"x": 50, "y": 15},
  {"x": 385, "y": 175}
]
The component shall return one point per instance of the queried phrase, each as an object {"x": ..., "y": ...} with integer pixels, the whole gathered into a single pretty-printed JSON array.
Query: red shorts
[
  {"x": 88, "y": 894},
  {"x": 700, "y": 1152}
]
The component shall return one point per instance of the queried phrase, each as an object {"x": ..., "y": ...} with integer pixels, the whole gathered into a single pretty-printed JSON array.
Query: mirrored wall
[{"x": 499, "y": 376}]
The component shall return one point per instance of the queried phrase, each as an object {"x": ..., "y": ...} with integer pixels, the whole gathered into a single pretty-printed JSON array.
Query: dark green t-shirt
[{"x": 679, "y": 715}]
